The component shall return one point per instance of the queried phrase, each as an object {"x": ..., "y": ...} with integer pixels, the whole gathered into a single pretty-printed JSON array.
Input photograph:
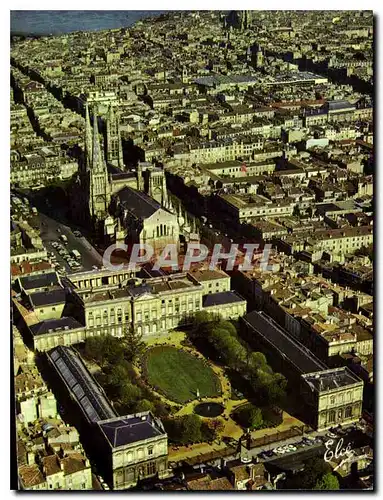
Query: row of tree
[{"x": 223, "y": 337}]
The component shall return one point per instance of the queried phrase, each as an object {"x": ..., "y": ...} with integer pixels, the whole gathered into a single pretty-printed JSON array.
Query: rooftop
[
  {"x": 221, "y": 298},
  {"x": 31, "y": 475},
  {"x": 139, "y": 204},
  {"x": 39, "y": 281},
  {"x": 41, "y": 299},
  {"x": 55, "y": 325},
  {"x": 331, "y": 379},
  {"x": 121, "y": 431},
  {"x": 88, "y": 394},
  {"x": 207, "y": 274}
]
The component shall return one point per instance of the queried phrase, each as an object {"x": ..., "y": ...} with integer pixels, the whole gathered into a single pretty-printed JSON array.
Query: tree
[
  {"x": 191, "y": 428},
  {"x": 130, "y": 392},
  {"x": 226, "y": 325},
  {"x": 160, "y": 409},
  {"x": 185, "y": 429},
  {"x": 115, "y": 376},
  {"x": 94, "y": 350},
  {"x": 315, "y": 468},
  {"x": 276, "y": 390},
  {"x": 144, "y": 405},
  {"x": 219, "y": 338},
  {"x": 202, "y": 324},
  {"x": 327, "y": 482},
  {"x": 113, "y": 350},
  {"x": 255, "y": 418},
  {"x": 257, "y": 360},
  {"x": 134, "y": 344}
]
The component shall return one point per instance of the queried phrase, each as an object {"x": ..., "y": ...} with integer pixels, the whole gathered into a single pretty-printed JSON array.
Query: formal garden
[{"x": 207, "y": 386}]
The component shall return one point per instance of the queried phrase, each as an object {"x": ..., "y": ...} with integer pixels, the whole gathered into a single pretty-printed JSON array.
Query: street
[{"x": 51, "y": 230}]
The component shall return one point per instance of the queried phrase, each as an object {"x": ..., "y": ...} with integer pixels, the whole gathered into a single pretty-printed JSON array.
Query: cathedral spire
[
  {"x": 88, "y": 138},
  {"x": 97, "y": 163}
]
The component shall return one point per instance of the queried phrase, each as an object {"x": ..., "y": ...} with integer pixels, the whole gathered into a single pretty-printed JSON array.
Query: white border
[{"x": 4, "y": 169}]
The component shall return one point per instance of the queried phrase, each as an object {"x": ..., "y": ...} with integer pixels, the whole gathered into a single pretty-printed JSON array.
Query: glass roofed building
[{"x": 127, "y": 448}]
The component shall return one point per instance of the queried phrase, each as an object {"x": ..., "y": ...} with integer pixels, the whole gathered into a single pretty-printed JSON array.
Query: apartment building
[{"x": 245, "y": 207}]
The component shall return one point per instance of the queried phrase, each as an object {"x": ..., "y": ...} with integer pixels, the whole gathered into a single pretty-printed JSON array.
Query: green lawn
[{"x": 178, "y": 374}]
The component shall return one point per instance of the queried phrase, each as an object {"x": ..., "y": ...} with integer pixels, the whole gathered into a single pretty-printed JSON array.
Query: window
[
  {"x": 151, "y": 468},
  {"x": 150, "y": 451},
  {"x": 348, "y": 412},
  {"x": 331, "y": 416},
  {"x": 332, "y": 400}
]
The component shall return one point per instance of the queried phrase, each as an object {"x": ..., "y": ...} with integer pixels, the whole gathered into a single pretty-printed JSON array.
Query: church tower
[
  {"x": 259, "y": 58},
  {"x": 185, "y": 75},
  {"x": 113, "y": 139},
  {"x": 99, "y": 186},
  {"x": 157, "y": 186}
]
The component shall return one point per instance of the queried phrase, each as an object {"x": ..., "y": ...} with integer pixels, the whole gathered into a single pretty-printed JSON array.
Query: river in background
[{"x": 57, "y": 22}]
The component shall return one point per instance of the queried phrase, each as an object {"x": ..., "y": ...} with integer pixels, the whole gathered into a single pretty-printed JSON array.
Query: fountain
[{"x": 209, "y": 410}]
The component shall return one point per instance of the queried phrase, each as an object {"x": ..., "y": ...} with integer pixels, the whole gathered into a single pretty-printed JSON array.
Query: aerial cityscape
[{"x": 191, "y": 251}]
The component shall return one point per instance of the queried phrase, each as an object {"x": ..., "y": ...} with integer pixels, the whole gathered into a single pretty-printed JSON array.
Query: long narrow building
[{"x": 330, "y": 396}]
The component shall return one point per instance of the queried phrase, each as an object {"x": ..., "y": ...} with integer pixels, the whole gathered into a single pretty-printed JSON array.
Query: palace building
[{"x": 105, "y": 302}]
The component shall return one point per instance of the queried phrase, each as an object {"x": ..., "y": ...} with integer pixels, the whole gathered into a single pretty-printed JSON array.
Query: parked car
[
  {"x": 308, "y": 442},
  {"x": 331, "y": 435},
  {"x": 280, "y": 450}
]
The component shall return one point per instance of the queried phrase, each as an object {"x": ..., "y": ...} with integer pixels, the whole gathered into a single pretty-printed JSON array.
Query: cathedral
[{"x": 125, "y": 206}]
